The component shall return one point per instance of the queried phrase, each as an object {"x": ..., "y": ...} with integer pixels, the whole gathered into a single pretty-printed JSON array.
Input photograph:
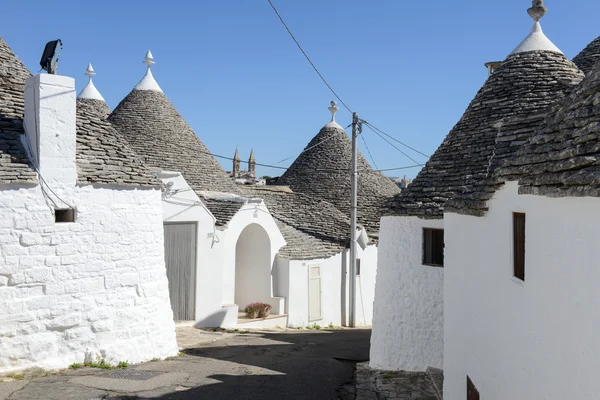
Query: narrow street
[{"x": 278, "y": 364}]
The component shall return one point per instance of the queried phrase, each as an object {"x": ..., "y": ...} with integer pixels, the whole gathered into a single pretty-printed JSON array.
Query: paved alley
[{"x": 286, "y": 364}]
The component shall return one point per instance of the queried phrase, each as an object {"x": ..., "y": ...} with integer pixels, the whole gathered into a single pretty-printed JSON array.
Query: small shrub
[
  {"x": 17, "y": 377},
  {"x": 155, "y": 360},
  {"x": 123, "y": 364},
  {"x": 75, "y": 366},
  {"x": 102, "y": 364},
  {"x": 257, "y": 310}
]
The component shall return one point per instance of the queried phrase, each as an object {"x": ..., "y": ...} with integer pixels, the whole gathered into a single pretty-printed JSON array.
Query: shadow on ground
[{"x": 273, "y": 365}]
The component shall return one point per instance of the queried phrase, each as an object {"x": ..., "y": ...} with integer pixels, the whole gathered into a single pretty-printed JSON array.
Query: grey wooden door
[
  {"x": 180, "y": 258},
  {"x": 314, "y": 294}
]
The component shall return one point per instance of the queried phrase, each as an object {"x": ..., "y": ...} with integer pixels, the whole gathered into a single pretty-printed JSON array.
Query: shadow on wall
[
  {"x": 295, "y": 365},
  {"x": 214, "y": 320}
]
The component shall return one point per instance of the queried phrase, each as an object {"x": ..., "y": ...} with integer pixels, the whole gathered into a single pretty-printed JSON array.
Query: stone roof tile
[
  {"x": 103, "y": 155},
  {"x": 312, "y": 228},
  {"x": 588, "y": 56},
  {"x": 563, "y": 158},
  {"x": 322, "y": 171},
  {"x": 14, "y": 163},
  {"x": 506, "y": 111}
]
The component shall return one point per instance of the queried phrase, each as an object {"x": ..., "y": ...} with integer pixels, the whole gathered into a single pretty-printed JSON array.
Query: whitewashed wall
[
  {"x": 294, "y": 282},
  {"x": 216, "y": 250},
  {"x": 97, "y": 286},
  {"x": 250, "y": 213},
  {"x": 185, "y": 206},
  {"x": 408, "y": 313},
  {"x": 536, "y": 339}
]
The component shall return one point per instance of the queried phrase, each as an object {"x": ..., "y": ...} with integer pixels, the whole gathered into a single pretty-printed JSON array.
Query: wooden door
[
  {"x": 472, "y": 393},
  {"x": 180, "y": 259},
  {"x": 314, "y": 293}
]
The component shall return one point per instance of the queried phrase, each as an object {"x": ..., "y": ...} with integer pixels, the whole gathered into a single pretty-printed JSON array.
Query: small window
[
  {"x": 433, "y": 247},
  {"x": 64, "y": 215},
  {"x": 519, "y": 245},
  {"x": 358, "y": 267}
]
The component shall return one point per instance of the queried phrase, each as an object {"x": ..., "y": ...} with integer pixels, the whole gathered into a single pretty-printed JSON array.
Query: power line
[
  {"x": 374, "y": 128},
  {"x": 307, "y": 57},
  {"x": 310, "y": 148},
  {"x": 369, "y": 151},
  {"x": 394, "y": 146}
]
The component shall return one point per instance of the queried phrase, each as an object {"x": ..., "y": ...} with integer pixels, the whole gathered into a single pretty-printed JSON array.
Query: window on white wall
[
  {"x": 519, "y": 246},
  {"x": 433, "y": 247}
]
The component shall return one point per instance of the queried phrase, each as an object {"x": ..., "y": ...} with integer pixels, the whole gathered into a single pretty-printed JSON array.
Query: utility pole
[{"x": 356, "y": 127}]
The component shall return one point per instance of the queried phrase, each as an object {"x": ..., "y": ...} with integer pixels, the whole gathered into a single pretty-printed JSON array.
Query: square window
[
  {"x": 433, "y": 247},
  {"x": 358, "y": 267},
  {"x": 64, "y": 215}
]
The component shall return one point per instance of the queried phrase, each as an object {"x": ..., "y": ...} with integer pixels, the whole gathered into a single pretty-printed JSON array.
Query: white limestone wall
[
  {"x": 97, "y": 286},
  {"x": 297, "y": 304},
  {"x": 250, "y": 213},
  {"x": 408, "y": 313},
  {"x": 334, "y": 289},
  {"x": 184, "y": 205},
  {"x": 536, "y": 339}
]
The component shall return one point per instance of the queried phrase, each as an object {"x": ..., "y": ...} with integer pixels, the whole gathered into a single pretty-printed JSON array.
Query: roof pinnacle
[
  {"x": 149, "y": 60},
  {"x": 90, "y": 71},
  {"x": 90, "y": 91},
  {"x": 333, "y": 109},
  {"x": 537, "y": 11},
  {"x": 536, "y": 41},
  {"x": 148, "y": 82}
]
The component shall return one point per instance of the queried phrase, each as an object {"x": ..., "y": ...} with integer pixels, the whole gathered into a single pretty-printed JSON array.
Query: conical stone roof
[
  {"x": 14, "y": 164},
  {"x": 162, "y": 138},
  {"x": 13, "y": 74},
  {"x": 506, "y": 111},
  {"x": 323, "y": 171},
  {"x": 588, "y": 56},
  {"x": 563, "y": 159}
]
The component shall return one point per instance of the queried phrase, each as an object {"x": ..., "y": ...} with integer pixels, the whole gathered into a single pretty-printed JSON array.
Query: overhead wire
[
  {"x": 371, "y": 126},
  {"x": 307, "y": 57}
]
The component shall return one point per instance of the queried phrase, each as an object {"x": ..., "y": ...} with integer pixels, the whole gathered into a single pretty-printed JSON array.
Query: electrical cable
[{"x": 307, "y": 57}]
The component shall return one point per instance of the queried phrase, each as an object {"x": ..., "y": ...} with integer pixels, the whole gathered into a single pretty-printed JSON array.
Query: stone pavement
[
  {"x": 395, "y": 385},
  {"x": 278, "y": 364}
]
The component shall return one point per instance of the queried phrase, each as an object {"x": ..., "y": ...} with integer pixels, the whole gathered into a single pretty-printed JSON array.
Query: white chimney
[{"x": 50, "y": 112}]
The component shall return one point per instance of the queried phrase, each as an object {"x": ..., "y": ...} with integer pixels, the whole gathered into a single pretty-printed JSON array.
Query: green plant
[
  {"x": 101, "y": 363},
  {"x": 75, "y": 366},
  {"x": 331, "y": 325},
  {"x": 181, "y": 354},
  {"x": 16, "y": 376},
  {"x": 155, "y": 360},
  {"x": 123, "y": 364}
]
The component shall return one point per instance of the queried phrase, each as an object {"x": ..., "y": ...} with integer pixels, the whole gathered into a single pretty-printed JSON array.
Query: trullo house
[{"x": 82, "y": 271}]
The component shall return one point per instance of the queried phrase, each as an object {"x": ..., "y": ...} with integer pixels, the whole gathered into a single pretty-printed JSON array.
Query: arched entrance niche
[{"x": 252, "y": 266}]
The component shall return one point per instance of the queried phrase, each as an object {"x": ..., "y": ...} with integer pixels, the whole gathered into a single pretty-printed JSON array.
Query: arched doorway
[{"x": 252, "y": 266}]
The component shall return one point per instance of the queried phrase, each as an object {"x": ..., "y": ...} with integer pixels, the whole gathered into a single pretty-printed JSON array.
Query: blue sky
[{"x": 233, "y": 72}]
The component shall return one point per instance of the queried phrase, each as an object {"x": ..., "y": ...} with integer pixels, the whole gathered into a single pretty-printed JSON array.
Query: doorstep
[{"x": 272, "y": 321}]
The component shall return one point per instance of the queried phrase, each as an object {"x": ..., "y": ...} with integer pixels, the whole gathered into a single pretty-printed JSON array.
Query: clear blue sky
[{"x": 232, "y": 71}]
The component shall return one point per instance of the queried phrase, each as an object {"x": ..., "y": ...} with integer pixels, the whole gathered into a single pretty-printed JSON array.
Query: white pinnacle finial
[
  {"x": 333, "y": 109},
  {"x": 148, "y": 82},
  {"x": 536, "y": 41},
  {"x": 90, "y": 91},
  {"x": 149, "y": 60},
  {"x": 90, "y": 71}
]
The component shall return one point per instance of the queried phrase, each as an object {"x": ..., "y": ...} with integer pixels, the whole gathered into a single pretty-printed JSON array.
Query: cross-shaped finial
[
  {"x": 538, "y": 10},
  {"x": 90, "y": 72},
  {"x": 333, "y": 109},
  {"x": 149, "y": 60}
]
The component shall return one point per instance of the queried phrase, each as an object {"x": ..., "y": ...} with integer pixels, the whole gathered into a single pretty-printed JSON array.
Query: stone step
[
  {"x": 272, "y": 321},
  {"x": 437, "y": 378}
]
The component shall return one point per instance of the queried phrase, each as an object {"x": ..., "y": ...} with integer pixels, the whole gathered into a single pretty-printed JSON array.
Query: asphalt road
[{"x": 291, "y": 364}]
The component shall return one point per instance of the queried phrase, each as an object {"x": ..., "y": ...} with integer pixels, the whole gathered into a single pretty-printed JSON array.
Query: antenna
[{"x": 49, "y": 61}]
